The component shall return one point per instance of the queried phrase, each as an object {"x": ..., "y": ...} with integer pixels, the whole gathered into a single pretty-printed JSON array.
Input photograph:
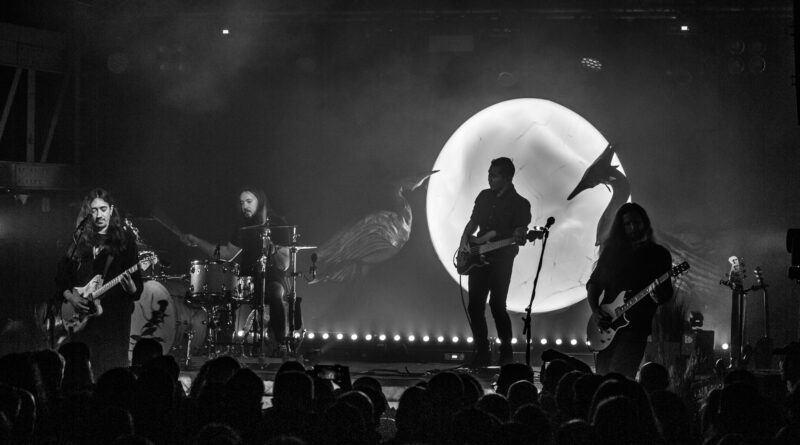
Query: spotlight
[
  {"x": 296, "y": 335},
  {"x": 226, "y": 31},
  {"x": 325, "y": 336},
  {"x": 470, "y": 339},
  {"x": 497, "y": 340},
  {"x": 725, "y": 346},
  {"x": 684, "y": 28},
  {"x": 397, "y": 337},
  {"x": 411, "y": 338},
  {"x": 240, "y": 333},
  {"x": 588, "y": 343},
  {"x": 544, "y": 341},
  {"x": 440, "y": 339},
  {"x": 573, "y": 342},
  {"x": 558, "y": 341},
  {"x": 339, "y": 336},
  {"x": 368, "y": 337},
  {"x": 354, "y": 337},
  {"x": 382, "y": 337},
  {"x": 310, "y": 335},
  {"x": 455, "y": 339},
  {"x": 514, "y": 341},
  {"x": 426, "y": 338}
]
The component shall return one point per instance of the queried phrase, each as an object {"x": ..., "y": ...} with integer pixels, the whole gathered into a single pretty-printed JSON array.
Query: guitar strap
[{"x": 109, "y": 259}]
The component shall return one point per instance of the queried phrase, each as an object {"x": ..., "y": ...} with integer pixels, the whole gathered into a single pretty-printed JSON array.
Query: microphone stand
[{"x": 526, "y": 330}]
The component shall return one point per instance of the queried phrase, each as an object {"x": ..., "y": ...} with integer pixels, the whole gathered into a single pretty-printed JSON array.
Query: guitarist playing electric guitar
[
  {"x": 101, "y": 251},
  {"x": 629, "y": 261},
  {"x": 499, "y": 209}
]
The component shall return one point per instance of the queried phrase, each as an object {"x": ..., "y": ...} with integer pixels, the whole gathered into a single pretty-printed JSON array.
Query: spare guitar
[
  {"x": 74, "y": 321},
  {"x": 762, "y": 355},
  {"x": 599, "y": 338},
  {"x": 735, "y": 281},
  {"x": 465, "y": 262}
]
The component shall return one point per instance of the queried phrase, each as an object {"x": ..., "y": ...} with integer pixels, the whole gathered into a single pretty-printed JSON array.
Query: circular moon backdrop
[{"x": 551, "y": 147}]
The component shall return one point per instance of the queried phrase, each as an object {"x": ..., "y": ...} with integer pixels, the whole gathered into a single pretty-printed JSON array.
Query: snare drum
[
  {"x": 212, "y": 282},
  {"x": 168, "y": 320}
]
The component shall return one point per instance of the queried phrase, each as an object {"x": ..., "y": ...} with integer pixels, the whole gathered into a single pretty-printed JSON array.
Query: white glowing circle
[
  {"x": 411, "y": 338},
  {"x": 311, "y": 336},
  {"x": 382, "y": 337},
  {"x": 470, "y": 339},
  {"x": 558, "y": 341},
  {"x": 551, "y": 147},
  {"x": 426, "y": 338},
  {"x": 514, "y": 341},
  {"x": 544, "y": 341},
  {"x": 497, "y": 340},
  {"x": 339, "y": 336},
  {"x": 368, "y": 337},
  {"x": 354, "y": 337},
  {"x": 397, "y": 337},
  {"x": 573, "y": 342},
  {"x": 725, "y": 346},
  {"x": 440, "y": 339},
  {"x": 455, "y": 339},
  {"x": 325, "y": 336}
]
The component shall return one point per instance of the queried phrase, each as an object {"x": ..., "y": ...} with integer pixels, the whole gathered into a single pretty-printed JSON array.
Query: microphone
[
  {"x": 550, "y": 222},
  {"x": 313, "y": 268}
]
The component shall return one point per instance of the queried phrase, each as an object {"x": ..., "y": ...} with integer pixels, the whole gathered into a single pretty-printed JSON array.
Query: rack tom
[{"x": 212, "y": 282}]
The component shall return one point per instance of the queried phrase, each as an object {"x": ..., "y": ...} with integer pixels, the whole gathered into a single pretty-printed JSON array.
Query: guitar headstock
[
  {"x": 759, "y": 278},
  {"x": 147, "y": 260},
  {"x": 737, "y": 274},
  {"x": 679, "y": 269}
]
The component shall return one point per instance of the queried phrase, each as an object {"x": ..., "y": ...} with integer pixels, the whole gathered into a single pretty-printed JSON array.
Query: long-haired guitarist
[
  {"x": 629, "y": 260},
  {"x": 502, "y": 210},
  {"x": 101, "y": 247}
]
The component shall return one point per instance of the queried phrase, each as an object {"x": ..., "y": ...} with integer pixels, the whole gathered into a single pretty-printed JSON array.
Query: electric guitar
[
  {"x": 465, "y": 262},
  {"x": 93, "y": 291},
  {"x": 740, "y": 354},
  {"x": 599, "y": 338}
]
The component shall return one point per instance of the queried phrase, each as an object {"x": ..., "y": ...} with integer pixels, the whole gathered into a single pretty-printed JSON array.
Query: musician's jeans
[
  {"x": 623, "y": 355},
  {"x": 492, "y": 281}
]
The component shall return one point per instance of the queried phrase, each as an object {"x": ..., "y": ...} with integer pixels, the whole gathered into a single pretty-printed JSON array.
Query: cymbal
[
  {"x": 296, "y": 247},
  {"x": 266, "y": 226}
]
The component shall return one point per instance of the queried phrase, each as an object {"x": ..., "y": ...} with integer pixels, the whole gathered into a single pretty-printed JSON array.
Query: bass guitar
[
  {"x": 74, "y": 321},
  {"x": 599, "y": 338},
  {"x": 465, "y": 262}
]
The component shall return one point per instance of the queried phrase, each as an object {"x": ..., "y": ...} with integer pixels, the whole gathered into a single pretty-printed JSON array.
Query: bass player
[
  {"x": 629, "y": 260},
  {"x": 501, "y": 209},
  {"x": 101, "y": 247}
]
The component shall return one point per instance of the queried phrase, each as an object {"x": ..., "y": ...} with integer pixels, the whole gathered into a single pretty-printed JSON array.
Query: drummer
[{"x": 245, "y": 246}]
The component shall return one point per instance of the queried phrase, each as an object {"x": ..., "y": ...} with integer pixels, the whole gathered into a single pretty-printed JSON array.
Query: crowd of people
[{"x": 52, "y": 397}]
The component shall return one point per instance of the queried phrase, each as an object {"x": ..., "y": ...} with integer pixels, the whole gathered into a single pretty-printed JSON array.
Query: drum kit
[{"x": 215, "y": 309}]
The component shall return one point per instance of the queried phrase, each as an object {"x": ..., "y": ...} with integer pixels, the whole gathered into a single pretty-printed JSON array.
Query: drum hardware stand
[
  {"x": 526, "y": 330},
  {"x": 263, "y": 264},
  {"x": 294, "y": 313}
]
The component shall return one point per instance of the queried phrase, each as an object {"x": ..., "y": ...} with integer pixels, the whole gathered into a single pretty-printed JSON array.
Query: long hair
[
  {"x": 89, "y": 237},
  {"x": 616, "y": 242},
  {"x": 263, "y": 208},
  {"x": 616, "y": 238}
]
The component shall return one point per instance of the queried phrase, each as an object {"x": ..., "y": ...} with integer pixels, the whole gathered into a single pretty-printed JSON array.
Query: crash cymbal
[
  {"x": 266, "y": 226},
  {"x": 296, "y": 247}
]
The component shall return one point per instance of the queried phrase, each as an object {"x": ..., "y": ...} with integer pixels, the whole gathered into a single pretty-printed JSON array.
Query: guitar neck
[
  {"x": 643, "y": 293},
  {"x": 105, "y": 287},
  {"x": 493, "y": 245}
]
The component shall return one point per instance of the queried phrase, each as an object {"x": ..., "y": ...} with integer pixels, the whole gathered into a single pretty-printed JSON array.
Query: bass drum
[{"x": 168, "y": 320}]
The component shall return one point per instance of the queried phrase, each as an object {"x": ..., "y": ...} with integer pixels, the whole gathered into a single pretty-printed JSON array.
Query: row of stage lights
[{"x": 413, "y": 338}]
